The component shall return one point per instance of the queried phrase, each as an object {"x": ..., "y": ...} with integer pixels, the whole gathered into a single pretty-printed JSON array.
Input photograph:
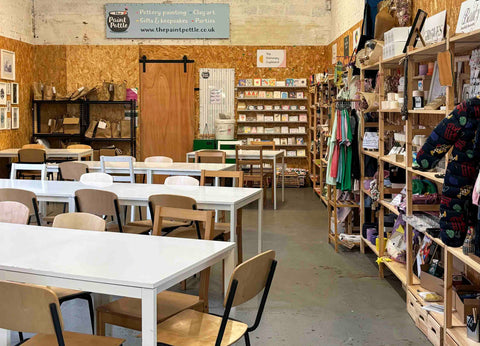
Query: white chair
[
  {"x": 41, "y": 167},
  {"x": 181, "y": 180},
  {"x": 96, "y": 179},
  {"x": 162, "y": 159},
  {"x": 228, "y": 143},
  {"x": 130, "y": 178}
]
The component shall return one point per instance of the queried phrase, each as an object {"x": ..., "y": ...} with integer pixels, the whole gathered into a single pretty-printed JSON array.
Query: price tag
[
  {"x": 102, "y": 125},
  {"x": 54, "y": 90}
]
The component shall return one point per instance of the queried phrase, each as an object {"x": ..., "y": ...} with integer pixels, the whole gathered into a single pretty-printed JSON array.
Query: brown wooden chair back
[
  {"x": 27, "y": 308},
  {"x": 252, "y": 276},
  {"x": 270, "y": 144},
  {"x": 202, "y": 216},
  {"x": 72, "y": 170},
  {"x": 27, "y": 198},
  {"x": 210, "y": 156},
  {"x": 79, "y": 146},
  {"x": 237, "y": 176},
  {"x": 84, "y": 221},
  {"x": 14, "y": 212},
  {"x": 32, "y": 155},
  {"x": 171, "y": 201},
  {"x": 33, "y": 146},
  {"x": 96, "y": 202}
]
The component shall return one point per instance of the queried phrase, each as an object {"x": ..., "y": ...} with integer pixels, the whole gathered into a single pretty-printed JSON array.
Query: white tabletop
[
  {"x": 51, "y": 152},
  {"x": 156, "y": 166},
  {"x": 103, "y": 257},
  {"x": 204, "y": 195},
  {"x": 268, "y": 154}
]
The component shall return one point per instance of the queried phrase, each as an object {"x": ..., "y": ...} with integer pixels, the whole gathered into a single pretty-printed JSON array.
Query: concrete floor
[{"x": 318, "y": 297}]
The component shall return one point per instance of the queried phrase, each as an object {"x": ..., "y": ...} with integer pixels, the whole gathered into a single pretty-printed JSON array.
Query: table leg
[
  {"x": 259, "y": 226},
  {"x": 274, "y": 187},
  {"x": 229, "y": 263},
  {"x": 233, "y": 227},
  {"x": 71, "y": 205},
  {"x": 5, "y": 334},
  {"x": 149, "y": 317},
  {"x": 149, "y": 177},
  {"x": 283, "y": 178}
]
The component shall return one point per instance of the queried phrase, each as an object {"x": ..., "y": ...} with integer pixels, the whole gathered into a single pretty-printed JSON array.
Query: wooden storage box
[
  {"x": 430, "y": 282},
  {"x": 449, "y": 341},
  {"x": 71, "y": 126},
  {"x": 422, "y": 319},
  {"x": 411, "y": 303},
  {"x": 435, "y": 331}
]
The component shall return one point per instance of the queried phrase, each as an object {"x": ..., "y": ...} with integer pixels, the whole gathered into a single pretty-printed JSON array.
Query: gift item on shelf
[{"x": 460, "y": 130}]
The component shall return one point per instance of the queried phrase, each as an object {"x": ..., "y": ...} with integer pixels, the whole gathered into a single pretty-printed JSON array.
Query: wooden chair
[
  {"x": 80, "y": 221},
  {"x": 191, "y": 327},
  {"x": 127, "y": 312},
  {"x": 164, "y": 159},
  {"x": 14, "y": 212},
  {"x": 253, "y": 168},
  {"x": 72, "y": 170},
  {"x": 96, "y": 179},
  {"x": 33, "y": 146},
  {"x": 224, "y": 227},
  {"x": 83, "y": 221},
  {"x": 31, "y": 155},
  {"x": 105, "y": 203},
  {"x": 27, "y": 198},
  {"x": 79, "y": 146},
  {"x": 181, "y": 180},
  {"x": 36, "y": 309},
  {"x": 210, "y": 156},
  {"x": 269, "y": 144}
]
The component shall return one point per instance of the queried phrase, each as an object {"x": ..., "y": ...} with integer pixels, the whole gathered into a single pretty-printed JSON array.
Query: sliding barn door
[{"x": 167, "y": 110}]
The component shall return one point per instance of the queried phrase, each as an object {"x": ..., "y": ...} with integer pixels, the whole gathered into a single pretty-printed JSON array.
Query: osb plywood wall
[
  {"x": 70, "y": 67},
  {"x": 340, "y": 45},
  {"x": 24, "y": 77},
  {"x": 434, "y": 6}
]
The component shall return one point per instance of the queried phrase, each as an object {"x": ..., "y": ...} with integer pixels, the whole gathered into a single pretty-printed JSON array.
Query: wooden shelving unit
[
  {"x": 247, "y": 119},
  {"x": 419, "y": 122}
]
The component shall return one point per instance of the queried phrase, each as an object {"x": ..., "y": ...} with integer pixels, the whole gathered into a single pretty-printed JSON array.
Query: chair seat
[
  {"x": 129, "y": 310},
  {"x": 191, "y": 233},
  {"x": 65, "y": 292},
  {"x": 74, "y": 339},
  {"x": 129, "y": 228},
  {"x": 193, "y": 328}
]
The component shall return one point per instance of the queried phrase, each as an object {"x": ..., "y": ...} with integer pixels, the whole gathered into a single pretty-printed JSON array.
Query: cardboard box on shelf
[{"x": 465, "y": 307}]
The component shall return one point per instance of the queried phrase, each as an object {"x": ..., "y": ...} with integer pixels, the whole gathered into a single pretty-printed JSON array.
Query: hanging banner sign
[
  {"x": 271, "y": 58},
  {"x": 469, "y": 17},
  {"x": 168, "y": 21}
]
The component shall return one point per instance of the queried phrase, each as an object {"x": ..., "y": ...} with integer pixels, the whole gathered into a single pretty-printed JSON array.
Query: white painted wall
[
  {"x": 345, "y": 14},
  {"x": 16, "y": 19},
  {"x": 253, "y": 22}
]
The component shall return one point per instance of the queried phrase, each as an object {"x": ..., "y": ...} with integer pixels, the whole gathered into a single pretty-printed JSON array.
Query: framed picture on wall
[
  {"x": 3, "y": 118},
  {"x": 15, "y": 118},
  {"x": 8, "y": 64},
  {"x": 9, "y": 105},
  {"x": 3, "y": 93},
  {"x": 15, "y": 93},
  {"x": 9, "y": 89}
]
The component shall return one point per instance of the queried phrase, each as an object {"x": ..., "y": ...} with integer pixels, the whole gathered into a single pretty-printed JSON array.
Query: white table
[
  {"x": 269, "y": 155},
  {"x": 54, "y": 153},
  {"x": 107, "y": 263},
  {"x": 152, "y": 168},
  {"x": 208, "y": 197}
]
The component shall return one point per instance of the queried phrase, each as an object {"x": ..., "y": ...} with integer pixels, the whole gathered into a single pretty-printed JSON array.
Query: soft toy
[{"x": 459, "y": 129}]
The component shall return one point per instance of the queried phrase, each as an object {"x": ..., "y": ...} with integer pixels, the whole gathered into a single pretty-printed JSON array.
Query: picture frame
[
  {"x": 9, "y": 106},
  {"x": 15, "y": 118},
  {"x": 3, "y": 93},
  {"x": 416, "y": 29},
  {"x": 7, "y": 61},
  {"x": 9, "y": 88},
  {"x": 15, "y": 93},
  {"x": 3, "y": 118}
]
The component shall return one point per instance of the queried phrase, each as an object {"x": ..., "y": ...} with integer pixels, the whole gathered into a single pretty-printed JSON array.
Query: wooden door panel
[{"x": 167, "y": 110}]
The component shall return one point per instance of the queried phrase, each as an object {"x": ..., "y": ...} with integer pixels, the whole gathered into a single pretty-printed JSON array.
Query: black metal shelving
[{"x": 84, "y": 112}]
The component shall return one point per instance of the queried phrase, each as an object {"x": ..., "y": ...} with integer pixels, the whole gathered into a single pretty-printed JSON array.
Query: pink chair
[{"x": 14, "y": 212}]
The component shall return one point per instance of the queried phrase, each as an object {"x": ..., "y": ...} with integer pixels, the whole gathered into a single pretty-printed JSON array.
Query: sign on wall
[
  {"x": 271, "y": 58},
  {"x": 170, "y": 21},
  {"x": 434, "y": 28},
  {"x": 469, "y": 17}
]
